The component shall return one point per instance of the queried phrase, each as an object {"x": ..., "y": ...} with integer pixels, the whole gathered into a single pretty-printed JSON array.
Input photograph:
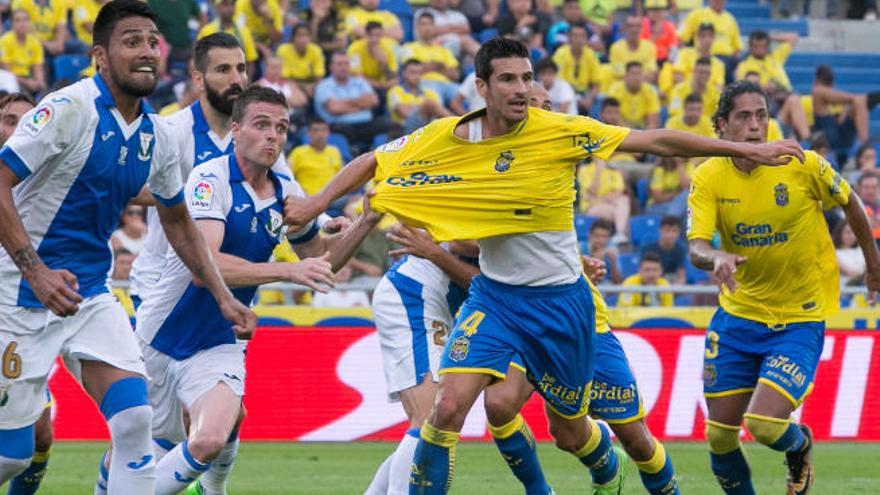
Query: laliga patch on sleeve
[
  {"x": 203, "y": 195},
  {"x": 38, "y": 120},
  {"x": 393, "y": 146}
]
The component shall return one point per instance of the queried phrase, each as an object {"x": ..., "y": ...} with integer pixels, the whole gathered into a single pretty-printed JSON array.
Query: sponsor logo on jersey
[
  {"x": 205, "y": 154},
  {"x": 107, "y": 135},
  {"x": 781, "y": 191},
  {"x": 39, "y": 119},
  {"x": 421, "y": 179},
  {"x": 586, "y": 143},
  {"x": 757, "y": 235},
  {"x": 502, "y": 163},
  {"x": 203, "y": 194},
  {"x": 242, "y": 208}
]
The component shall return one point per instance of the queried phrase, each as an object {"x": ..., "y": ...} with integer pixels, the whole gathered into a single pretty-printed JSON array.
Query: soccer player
[
  {"x": 780, "y": 282},
  {"x": 192, "y": 356},
  {"x": 75, "y": 161},
  {"x": 503, "y": 176}
]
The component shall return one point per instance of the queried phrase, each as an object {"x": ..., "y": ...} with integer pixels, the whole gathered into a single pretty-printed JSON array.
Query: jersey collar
[
  {"x": 235, "y": 175},
  {"x": 106, "y": 98},
  {"x": 200, "y": 123}
]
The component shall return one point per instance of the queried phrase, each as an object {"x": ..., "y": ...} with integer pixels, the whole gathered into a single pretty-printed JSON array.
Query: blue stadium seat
[
  {"x": 69, "y": 66},
  {"x": 335, "y": 139},
  {"x": 644, "y": 229},
  {"x": 643, "y": 192},
  {"x": 379, "y": 140},
  {"x": 629, "y": 263},
  {"x": 748, "y": 26},
  {"x": 582, "y": 224},
  {"x": 487, "y": 34},
  {"x": 694, "y": 275},
  {"x": 746, "y": 10}
]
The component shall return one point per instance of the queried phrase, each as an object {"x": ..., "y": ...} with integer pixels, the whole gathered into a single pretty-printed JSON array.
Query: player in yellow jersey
[
  {"x": 503, "y": 175},
  {"x": 780, "y": 281}
]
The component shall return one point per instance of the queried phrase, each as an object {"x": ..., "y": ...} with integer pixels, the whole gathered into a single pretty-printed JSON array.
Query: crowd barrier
[{"x": 315, "y": 375}]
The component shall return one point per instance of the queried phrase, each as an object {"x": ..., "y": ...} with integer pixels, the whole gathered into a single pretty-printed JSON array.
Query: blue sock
[
  {"x": 433, "y": 462},
  {"x": 657, "y": 473},
  {"x": 28, "y": 482},
  {"x": 732, "y": 472},
  {"x": 517, "y": 446},
  {"x": 598, "y": 455},
  {"x": 792, "y": 440}
]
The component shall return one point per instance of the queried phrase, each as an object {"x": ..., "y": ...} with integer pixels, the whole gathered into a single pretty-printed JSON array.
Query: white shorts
[
  {"x": 30, "y": 340},
  {"x": 177, "y": 385},
  {"x": 412, "y": 326}
]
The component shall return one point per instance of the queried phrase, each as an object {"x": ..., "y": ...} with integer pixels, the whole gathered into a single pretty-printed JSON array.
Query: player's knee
[
  {"x": 499, "y": 408},
  {"x": 765, "y": 429},
  {"x": 206, "y": 445},
  {"x": 10, "y": 468},
  {"x": 567, "y": 438},
  {"x": 722, "y": 438},
  {"x": 449, "y": 412},
  {"x": 639, "y": 445}
]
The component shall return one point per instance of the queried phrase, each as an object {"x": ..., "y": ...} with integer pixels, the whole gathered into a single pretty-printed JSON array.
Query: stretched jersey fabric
[
  {"x": 772, "y": 216},
  {"x": 602, "y": 325},
  {"x": 80, "y": 163},
  {"x": 516, "y": 183},
  {"x": 180, "y": 319}
]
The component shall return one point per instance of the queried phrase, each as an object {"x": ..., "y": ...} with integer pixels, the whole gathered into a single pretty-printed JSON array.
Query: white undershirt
[{"x": 537, "y": 259}]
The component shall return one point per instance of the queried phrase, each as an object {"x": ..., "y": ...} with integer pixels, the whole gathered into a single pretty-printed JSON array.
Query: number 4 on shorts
[{"x": 472, "y": 322}]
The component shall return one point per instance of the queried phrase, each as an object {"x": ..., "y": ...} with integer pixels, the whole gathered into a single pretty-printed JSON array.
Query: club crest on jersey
[
  {"x": 781, "y": 194},
  {"x": 458, "y": 351},
  {"x": 275, "y": 224},
  {"x": 145, "y": 152},
  {"x": 502, "y": 163}
]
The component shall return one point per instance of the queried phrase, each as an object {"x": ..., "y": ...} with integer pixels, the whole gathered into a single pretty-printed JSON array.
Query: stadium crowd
[{"x": 356, "y": 75}]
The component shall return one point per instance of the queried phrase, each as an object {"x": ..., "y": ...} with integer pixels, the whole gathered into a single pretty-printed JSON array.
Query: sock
[
  {"x": 401, "y": 463},
  {"x": 517, "y": 446},
  {"x": 433, "y": 461},
  {"x": 657, "y": 473},
  {"x": 732, "y": 472},
  {"x": 161, "y": 447},
  {"x": 16, "y": 449},
  {"x": 103, "y": 477},
  {"x": 776, "y": 433},
  {"x": 129, "y": 418},
  {"x": 177, "y": 470},
  {"x": 598, "y": 455},
  {"x": 28, "y": 482},
  {"x": 214, "y": 480},
  {"x": 379, "y": 485}
]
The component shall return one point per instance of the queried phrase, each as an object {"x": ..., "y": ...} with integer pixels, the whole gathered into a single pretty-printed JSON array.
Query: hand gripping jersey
[{"x": 80, "y": 164}]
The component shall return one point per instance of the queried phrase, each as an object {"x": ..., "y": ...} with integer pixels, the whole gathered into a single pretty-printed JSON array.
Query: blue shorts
[
  {"x": 740, "y": 353},
  {"x": 551, "y": 328},
  {"x": 614, "y": 397}
]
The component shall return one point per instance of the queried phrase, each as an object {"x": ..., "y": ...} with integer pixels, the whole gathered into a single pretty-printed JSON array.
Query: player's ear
[
  {"x": 99, "y": 55},
  {"x": 482, "y": 87}
]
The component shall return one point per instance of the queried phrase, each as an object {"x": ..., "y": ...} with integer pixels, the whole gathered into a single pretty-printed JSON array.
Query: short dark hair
[
  {"x": 544, "y": 64},
  {"x": 121, "y": 251},
  {"x": 825, "y": 75},
  {"x": 113, "y": 12},
  {"x": 256, "y": 93},
  {"x": 704, "y": 61},
  {"x": 426, "y": 14},
  {"x": 412, "y": 61},
  {"x": 631, "y": 64},
  {"x": 372, "y": 25},
  {"x": 497, "y": 48},
  {"x": 759, "y": 35},
  {"x": 16, "y": 97},
  {"x": 819, "y": 140},
  {"x": 650, "y": 257},
  {"x": 208, "y": 43},
  {"x": 609, "y": 102},
  {"x": 603, "y": 224},
  {"x": 299, "y": 26},
  {"x": 577, "y": 25},
  {"x": 729, "y": 96},
  {"x": 706, "y": 26},
  {"x": 317, "y": 121},
  {"x": 869, "y": 174},
  {"x": 670, "y": 221},
  {"x": 693, "y": 98}
]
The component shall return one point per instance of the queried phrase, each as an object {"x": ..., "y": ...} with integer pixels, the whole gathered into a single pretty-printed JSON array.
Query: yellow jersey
[
  {"x": 308, "y": 67},
  {"x": 363, "y": 64},
  {"x": 84, "y": 12},
  {"x": 426, "y": 54},
  {"x": 703, "y": 127},
  {"x": 634, "y": 108},
  {"x": 687, "y": 60},
  {"x": 727, "y": 37},
  {"x": 360, "y": 17},
  {"x": 44, "y": 19},
  {"x": 516, "y": 183},
  {"x": 620, "y": 54},
  {"x": 398, "y": 95},
  {"x": 629, "y": 299},
  {"x": 602, "y": 325},
  {"x": 774, "y": 131},
  {"x": 242, "y": 34},
  {"x": 580, "y": 73},
  {"x": 772, "y": 216},
  {"x": 20, "y": 58},
  {"x": 313, "y": 169},
  {"x": 610, "y": 181},
  {"x": 668, "y": 180},
  {"x": 682, "y": 90},
  {"x": 771, "y": 68},
  {"x": 245, "y": 16}
]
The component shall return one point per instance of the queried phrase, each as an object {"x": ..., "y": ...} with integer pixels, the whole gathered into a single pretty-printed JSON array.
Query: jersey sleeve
[
  {"x": 701, "y": 214},
  {"x": 44, "y": 133},
  {"x": 292, "y": 188},
  {"x": 207, "y": 194},
  {"x": 596, "y": 139},
  {"x": 165, "y": 177},
  {"x": 827, "y": 185}
]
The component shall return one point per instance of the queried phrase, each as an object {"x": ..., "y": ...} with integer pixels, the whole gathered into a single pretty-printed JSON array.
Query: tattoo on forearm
[{"x": 25, "y": 258}]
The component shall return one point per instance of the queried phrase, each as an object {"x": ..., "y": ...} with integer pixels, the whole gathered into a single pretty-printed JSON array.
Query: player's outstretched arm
[
  {"x": 667, "y": 142},
  {"x": 861, "y": 227},
  {"x": 55, "y": 289},
  {"x": 418, "y": 242},
  {"x": 190, "y": 246},
  {"x": 298, "y": 212},
  {"x": 721, "y": 263}
]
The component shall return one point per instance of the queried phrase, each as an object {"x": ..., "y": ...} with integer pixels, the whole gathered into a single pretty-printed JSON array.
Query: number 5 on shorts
[
  {"x": 11, "y": 362},
  {"x": 470, "y": 324}
]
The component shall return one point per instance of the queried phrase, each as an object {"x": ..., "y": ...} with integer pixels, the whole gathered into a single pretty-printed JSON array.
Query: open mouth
[{"x": 146, "y": 69}]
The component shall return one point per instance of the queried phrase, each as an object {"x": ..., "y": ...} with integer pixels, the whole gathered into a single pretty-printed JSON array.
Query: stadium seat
[
  {"x": 379, "y": 140},
  {"x": 335, "y": 139},
  {"x": 644, "y": 229},
  {"x": 582, "y": 224},
  {"x": 694, "y": 275},
  {"x": 487, "y": 34},
  {"x": 748, "y": 26},
  {"x": 69, "y": 66},
  {"x": 643, "y": 192},
  {"x": 629, "y": 263}
]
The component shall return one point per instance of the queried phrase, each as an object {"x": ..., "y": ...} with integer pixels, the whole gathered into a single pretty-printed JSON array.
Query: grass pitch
[{"x": 347, "y": 468}]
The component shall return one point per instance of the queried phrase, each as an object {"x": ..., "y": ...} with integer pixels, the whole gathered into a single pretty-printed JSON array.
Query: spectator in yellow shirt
[
  {"x": 727, "y": 43},
  {"x": 609, "y": 113},
  {"x": 264, "y": 19},
  {"x": 668, "y": 187},
  {"x": 48, "y": 18},
  {"x": 632, "y": 48},
  {"x": 374, "y": 58},
  {"x": 602, "y": 193},
  {"x": 693, "y": 120},
  {"x": 315, "y": 163},
  {"x": 302, "y": 59},
  {"x": 409, "y": 104},
  {"x": 688, "y": 56},
  {"x": 225, "y": 23},
  {"x": 650, "y": 274},
  {"x": 769, "y": 64},
  {"x": 783, "y": 104},
  {"x": 22, "y": 54},
  {"x": 368, "y": 11},
  {"x": 84, "y": 14},
  {"x": 579, "y": 66},
  {"x": 639, "y": 101},
  {"x": 439, "y": 64},
  {"x": 700, "y": 85}
]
